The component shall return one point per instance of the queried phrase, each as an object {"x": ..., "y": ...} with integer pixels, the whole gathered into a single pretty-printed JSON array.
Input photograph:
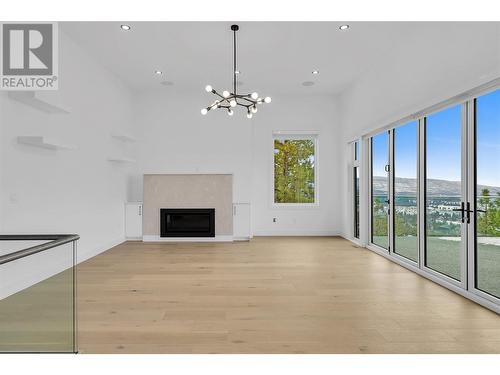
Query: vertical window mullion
[
  {"x": 421, "y": 192},
  {"x": 471, "y": 193},
  {"x": 390, "y": 189}
]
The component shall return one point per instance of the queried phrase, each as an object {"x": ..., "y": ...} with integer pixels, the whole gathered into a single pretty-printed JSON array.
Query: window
[
  {"x": 434, "y": 184},
  {"x": 443, "y": 191},
  {"x": 487, "y": 194},
  {"x": 355, "y": 188},
  {"x": 356, "y": 202},
  {"x": 380, "y": 189},
  {"x": 405, "y": 190},
  {"x": 295, "y": 174}
]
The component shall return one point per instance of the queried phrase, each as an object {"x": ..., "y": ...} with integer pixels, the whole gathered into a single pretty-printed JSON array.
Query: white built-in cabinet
[
  {"x": 133, "y": 220},
  {"x": 241, "y": 221}
]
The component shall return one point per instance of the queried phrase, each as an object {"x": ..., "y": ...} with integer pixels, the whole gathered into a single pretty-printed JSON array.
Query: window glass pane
[
  {"x": 405, "y": 190},
  {"x": 294, "y": 161},
  {"x": 380, "y": 189},
  {"x": 356, "y": 202},
  {"x": 443, "y": 191},
  {"x": 488, "y": 193},
  {"x": 356, "y": 150}
]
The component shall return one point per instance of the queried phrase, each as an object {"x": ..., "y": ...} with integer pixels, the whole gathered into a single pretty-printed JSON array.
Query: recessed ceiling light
[
  {"x": 159, "y": 72},
  {"x": 315, "y": 72},
  {"x": 308, "y": 83},
  {"x": 125, "y": 27},
  {"x": 344, "y": 27}
]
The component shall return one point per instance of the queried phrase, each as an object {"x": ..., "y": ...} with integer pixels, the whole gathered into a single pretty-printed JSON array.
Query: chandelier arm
[
  {"x": 249, "y": 100},
  {"x": 219, "y": 95}
]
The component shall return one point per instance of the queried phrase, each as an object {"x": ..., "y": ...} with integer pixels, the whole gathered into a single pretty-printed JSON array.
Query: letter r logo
[{"x": 27, "y": 49}]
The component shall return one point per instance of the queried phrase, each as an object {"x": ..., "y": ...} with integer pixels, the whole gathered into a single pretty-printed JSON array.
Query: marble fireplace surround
[{"x": 188, "y": 191}]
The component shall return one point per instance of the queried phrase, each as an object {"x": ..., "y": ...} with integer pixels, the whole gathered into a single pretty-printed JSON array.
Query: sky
[
  {"x": 488, "y": 139},
  {"x": 444, "y": 145},
  {"x": 444, "y": 149}
]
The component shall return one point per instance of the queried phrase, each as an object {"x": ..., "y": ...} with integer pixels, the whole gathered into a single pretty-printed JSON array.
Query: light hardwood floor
[{"x": 270, "y": 295}]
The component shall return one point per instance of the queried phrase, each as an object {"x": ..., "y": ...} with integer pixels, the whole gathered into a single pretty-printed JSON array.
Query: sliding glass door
[
  {"x": 487, "y": 194},
  {"x": 405, "y": 190},
  {"x": 380, "y": 190},
  {"x": 435, "y": 194},
  {"x": 444, "y": 192}
]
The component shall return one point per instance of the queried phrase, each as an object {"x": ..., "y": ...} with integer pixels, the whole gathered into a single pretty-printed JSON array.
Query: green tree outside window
[{"x": 294, "y": 162}]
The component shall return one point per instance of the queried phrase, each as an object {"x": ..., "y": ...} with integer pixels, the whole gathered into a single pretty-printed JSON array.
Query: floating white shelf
[
  {"x": 121, "y": 159},
  {"x": 47, "y": 102},
  {"x": 124, "y": 137},
  {"x": 43, "y": 142}
]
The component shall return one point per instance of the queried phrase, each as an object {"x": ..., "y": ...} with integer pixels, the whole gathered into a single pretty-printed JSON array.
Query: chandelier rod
[{"x": 234, "y": 28}]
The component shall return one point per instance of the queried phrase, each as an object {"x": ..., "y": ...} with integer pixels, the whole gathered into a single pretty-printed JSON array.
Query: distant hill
[{"x": 435, "y": 187}]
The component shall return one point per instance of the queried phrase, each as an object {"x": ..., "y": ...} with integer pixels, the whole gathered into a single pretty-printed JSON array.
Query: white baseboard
[
  {"x": 133, "y": 238},
  {"x": 220, "y": 238},
  {"x": 242, "y": 239},
  {"x": 90, "y": 253},
  {"x": 355, "y": 241},
  {"x": 295, "y": 233}
]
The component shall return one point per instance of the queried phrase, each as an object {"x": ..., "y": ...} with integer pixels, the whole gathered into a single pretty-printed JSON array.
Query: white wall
[
  {"x": 316, "y": 113},
  {"x": 176, "y": 138},
  {"x": 433, "y": 66},
  {"x": 67, "y": 191}
]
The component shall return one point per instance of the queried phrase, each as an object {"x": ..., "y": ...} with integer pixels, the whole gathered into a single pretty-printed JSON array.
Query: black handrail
[{"x": 55, "y": 240}]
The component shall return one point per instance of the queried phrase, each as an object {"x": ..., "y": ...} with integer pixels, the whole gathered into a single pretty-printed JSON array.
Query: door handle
[
  {"x": 469, "y": 211},
  {"x": 387, "y": 168},
  {"x": 462, "y": 211}
]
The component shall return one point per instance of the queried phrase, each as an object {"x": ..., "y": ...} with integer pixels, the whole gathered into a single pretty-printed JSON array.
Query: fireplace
[{"x": 187, "y": 222}]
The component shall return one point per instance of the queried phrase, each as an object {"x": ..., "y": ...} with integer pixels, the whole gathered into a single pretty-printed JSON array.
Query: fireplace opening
[{"x": 187, "y": 222}]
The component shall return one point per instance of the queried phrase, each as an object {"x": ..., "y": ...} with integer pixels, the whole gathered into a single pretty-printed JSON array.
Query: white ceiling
[{"x": 274, "y": 57}]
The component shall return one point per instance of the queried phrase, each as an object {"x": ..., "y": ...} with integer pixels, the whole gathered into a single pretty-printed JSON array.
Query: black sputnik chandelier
[{"x": 229, "y": 100}]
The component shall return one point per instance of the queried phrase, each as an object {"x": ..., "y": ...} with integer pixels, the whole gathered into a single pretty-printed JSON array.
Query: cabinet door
[
  {"x": 133, "y": 220},
  {"x": 241, "y": 221}
]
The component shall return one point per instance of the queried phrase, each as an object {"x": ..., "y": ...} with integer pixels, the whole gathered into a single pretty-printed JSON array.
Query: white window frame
[
  {"x": 298, "y": 135},
  {"x": 355, "y": 163}
]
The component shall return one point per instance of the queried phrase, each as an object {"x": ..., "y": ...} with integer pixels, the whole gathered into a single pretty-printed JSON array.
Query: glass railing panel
[{"x": 37, "y": 300}]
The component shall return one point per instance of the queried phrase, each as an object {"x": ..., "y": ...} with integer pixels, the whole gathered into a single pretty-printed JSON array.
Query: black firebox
[{"x": 187, "y": 222}]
